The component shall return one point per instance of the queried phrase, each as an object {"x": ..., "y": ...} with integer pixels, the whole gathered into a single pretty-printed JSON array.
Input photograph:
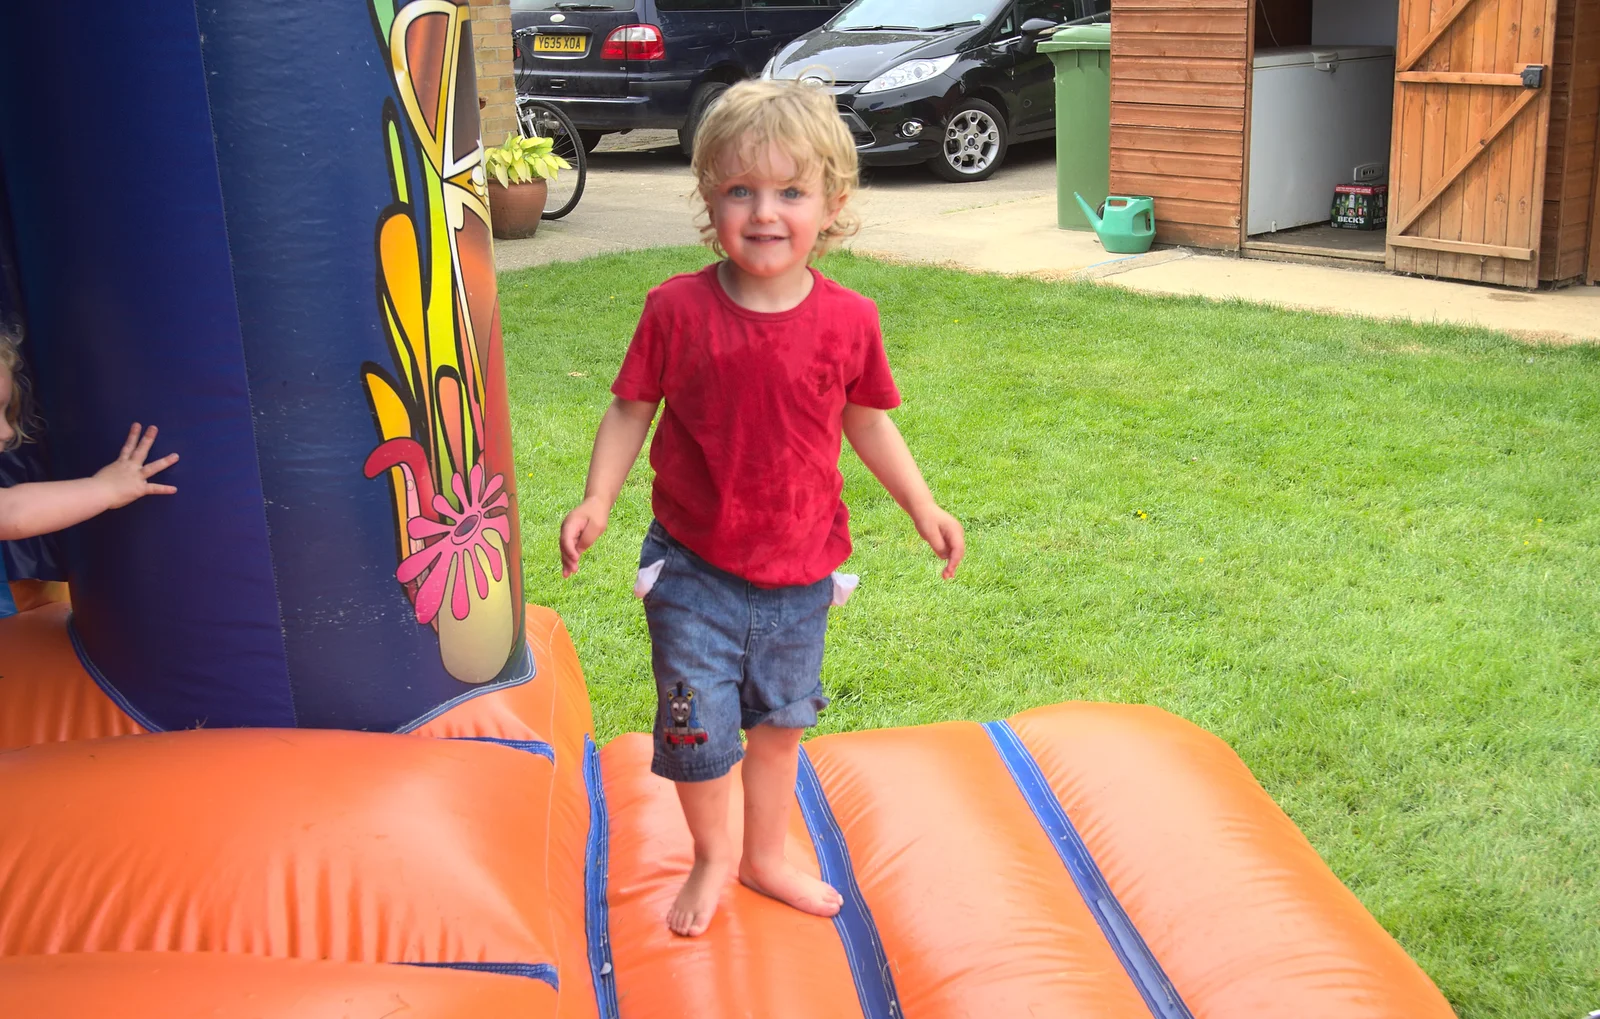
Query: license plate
[{"x": 567, "y": 42}]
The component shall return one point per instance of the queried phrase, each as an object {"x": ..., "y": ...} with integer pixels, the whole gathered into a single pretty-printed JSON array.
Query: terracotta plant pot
[{"x": 515, "y": 210}]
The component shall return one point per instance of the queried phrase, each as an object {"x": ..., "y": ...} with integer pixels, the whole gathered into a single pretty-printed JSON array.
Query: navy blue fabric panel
[
  {"x": 10, "y": 283},
  {"x": 537, "y": 747},
  {"x": 1148, "y": 976},
  {"x": 522, "y": 669},
  {"x": 297, "y": 90},
  {"x": 533, "y": 970},
  {"x": 125, "y": 268},
  {"x": 597, "y": 910},
  {"x": 869, "y": 965}
]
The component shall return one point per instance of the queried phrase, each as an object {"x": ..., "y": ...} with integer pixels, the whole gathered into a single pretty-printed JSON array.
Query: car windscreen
[
  {"x": 571, "y": 5},
  {"x": 914, "y": 15}
]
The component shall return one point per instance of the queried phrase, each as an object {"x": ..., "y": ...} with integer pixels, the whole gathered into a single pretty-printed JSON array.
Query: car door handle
[{"x": 760, "y": 33}]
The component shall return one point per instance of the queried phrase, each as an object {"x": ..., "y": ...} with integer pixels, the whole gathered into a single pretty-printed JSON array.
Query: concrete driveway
[{"x": 640, "y": 195}]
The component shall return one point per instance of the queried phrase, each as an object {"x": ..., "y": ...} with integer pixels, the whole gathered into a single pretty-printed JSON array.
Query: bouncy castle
[{"x": 296, "y": 747}]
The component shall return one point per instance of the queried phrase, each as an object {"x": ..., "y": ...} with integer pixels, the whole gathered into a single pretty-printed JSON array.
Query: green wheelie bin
[{"x": 1082, "y": 55}]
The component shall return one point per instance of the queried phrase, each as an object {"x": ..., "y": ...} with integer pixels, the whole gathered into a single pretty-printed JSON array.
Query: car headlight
[
  {"x": 766, "y": 72},
  {"x": 909, "y": 73}
]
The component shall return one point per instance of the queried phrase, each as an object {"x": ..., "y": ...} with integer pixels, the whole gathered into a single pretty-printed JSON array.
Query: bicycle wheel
[{"x": 536, "y": 119}]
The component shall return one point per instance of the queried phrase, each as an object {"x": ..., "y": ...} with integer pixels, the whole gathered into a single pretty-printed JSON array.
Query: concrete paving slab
[
  {"x": 1567, "y": 315},
  {"x": 640, "y": 195},
  {"x": 1015, "y": 236}
]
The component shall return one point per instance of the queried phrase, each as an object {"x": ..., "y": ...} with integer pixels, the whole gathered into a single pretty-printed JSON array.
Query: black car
[
  {"x": 617, "y": 65},
  {"x": 950, "y": 83}
]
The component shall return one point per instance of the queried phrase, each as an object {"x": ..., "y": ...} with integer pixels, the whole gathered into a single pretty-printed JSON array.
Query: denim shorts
[{"x": 728, "y": 655}]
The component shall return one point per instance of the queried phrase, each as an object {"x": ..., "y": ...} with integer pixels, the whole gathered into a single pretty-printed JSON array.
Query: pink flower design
[{"x": 458, "y": 541}]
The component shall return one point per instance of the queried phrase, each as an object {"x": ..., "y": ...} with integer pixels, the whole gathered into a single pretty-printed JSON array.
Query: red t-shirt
[{"x": 747, "y": 452}]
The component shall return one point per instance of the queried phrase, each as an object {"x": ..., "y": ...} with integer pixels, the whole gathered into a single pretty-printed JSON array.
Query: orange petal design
[
  {"x": 402, "y": 279},
  {"x": 426, "y": 39},
  {"x": 464, "y": 110},
  {"x": 476, "y": 256},
  {"x": 422, "y": 55}
]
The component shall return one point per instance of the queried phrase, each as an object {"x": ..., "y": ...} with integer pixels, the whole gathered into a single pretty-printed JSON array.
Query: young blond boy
[{"x": 763, "y": 364}]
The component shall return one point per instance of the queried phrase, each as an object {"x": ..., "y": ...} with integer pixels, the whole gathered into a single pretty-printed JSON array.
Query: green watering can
[{"x": 1126, "y": 226}]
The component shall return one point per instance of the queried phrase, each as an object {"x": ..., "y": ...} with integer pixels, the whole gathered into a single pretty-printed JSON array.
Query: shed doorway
[
  {"x": 1486, "y": 131},
  {"x": 1320, "y": 116}
]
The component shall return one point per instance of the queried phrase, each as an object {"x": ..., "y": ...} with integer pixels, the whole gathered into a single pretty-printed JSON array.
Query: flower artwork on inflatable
[{"x": 441, "y": 408}]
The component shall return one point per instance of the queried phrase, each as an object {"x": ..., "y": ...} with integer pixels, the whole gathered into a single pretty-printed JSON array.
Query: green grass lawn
[{"x": 1364, "y": 554}]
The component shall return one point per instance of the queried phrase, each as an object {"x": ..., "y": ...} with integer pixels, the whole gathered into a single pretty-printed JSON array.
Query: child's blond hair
[
  {"x": 19, "y": 410},
  {"x": 801, "y": 120}
]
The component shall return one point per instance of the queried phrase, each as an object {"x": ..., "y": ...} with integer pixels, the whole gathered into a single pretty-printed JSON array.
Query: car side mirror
[{"x": 1033, "y": 30}]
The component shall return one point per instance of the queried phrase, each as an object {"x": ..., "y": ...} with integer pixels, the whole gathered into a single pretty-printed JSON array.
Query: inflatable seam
[
  {"x": 863, "y": 948},
  {"x": 533, "y": 970},
  {"x": 105, "y": 684},
  {"x": 596, "y": 910},
  {"x": 533, "y": 746},
  {"x": 1143, "y": 969},
  {"x": 529, "y": 670}
]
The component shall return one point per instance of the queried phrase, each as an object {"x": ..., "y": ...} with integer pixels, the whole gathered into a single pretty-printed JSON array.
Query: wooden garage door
[{"x": 1472, "y": 113}]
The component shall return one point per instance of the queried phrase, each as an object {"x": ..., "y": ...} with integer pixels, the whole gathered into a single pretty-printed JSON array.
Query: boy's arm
[
  {"x": 44, "y": 506},
  {"x": 880, "y": 446},
  {"x": 616, "y": 447}
]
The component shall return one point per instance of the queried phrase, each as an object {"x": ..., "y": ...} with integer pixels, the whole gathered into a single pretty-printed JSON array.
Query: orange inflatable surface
[
  {"x": 221, "y": 985},
  {"x": 1077, "y": 860}
]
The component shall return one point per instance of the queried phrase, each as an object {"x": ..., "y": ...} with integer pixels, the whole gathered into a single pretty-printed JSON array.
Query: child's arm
[
  {"x": 45, "y": 506},
  {"x": 616, "y": 447},
  {"x": 880, "y": 446}
]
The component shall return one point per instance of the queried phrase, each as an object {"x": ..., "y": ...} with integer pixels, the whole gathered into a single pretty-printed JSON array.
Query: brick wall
[{"x": 491, "y": 38}]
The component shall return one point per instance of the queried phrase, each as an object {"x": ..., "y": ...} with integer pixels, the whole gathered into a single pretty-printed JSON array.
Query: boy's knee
[{"x": 767, "y": 739}]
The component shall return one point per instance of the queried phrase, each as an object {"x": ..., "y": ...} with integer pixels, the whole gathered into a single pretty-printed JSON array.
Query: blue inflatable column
[{"x": 263, "y": 227}]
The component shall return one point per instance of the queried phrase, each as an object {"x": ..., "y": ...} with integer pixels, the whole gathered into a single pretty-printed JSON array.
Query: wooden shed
[{"x": 1487, "y": 141}]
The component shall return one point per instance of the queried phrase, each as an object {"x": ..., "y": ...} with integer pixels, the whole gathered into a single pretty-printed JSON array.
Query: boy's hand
[
  {"x": 944, "y": 535},
  {"x": 580, "y": 530},
  {"x": 127, "y": 477}
]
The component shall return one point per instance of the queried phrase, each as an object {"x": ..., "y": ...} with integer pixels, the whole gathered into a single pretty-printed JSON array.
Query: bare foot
[
  {"x": 785, "y": 882},
  {"x": 691, "y": 914}
]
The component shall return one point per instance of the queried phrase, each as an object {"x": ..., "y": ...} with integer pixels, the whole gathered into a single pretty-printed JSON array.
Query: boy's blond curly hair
[
  {"x": 798, "y": 118},
  {"x": 19, "y": 411}
]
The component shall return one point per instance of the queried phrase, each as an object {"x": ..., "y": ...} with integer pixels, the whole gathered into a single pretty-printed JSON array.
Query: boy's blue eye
[
  {"x": 792, "y": 193},
  {"x": 739, "y": 191}
]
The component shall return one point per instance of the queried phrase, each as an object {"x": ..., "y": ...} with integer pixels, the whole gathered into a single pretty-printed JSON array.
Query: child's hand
[
  {"x": 580, "y": 530},
  {"x": 944, "y": 535},
  {"x": 127, "y": 477}
]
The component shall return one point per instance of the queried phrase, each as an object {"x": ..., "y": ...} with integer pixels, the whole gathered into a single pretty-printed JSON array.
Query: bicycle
[{"x": 539, "y": 119}]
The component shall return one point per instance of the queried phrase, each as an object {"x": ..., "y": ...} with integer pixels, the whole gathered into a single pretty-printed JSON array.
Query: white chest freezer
[{"x": 1317, "y": 113}]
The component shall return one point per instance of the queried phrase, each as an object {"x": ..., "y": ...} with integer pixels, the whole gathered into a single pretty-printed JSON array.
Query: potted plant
[{"x": 518, "y": 174}]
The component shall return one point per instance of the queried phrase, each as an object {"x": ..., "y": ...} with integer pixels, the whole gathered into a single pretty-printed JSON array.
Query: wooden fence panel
[{"x": 1179, "y": 106}]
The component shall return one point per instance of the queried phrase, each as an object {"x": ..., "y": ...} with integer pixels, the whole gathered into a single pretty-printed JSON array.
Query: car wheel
[
  {"x": 590, "y": 139},
  {"x": 974, "y": 143},
  {"x": 705, "y": 97}
]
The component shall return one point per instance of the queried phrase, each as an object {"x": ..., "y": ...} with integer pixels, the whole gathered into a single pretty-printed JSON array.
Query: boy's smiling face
[{"x": 768, "y": 216}]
